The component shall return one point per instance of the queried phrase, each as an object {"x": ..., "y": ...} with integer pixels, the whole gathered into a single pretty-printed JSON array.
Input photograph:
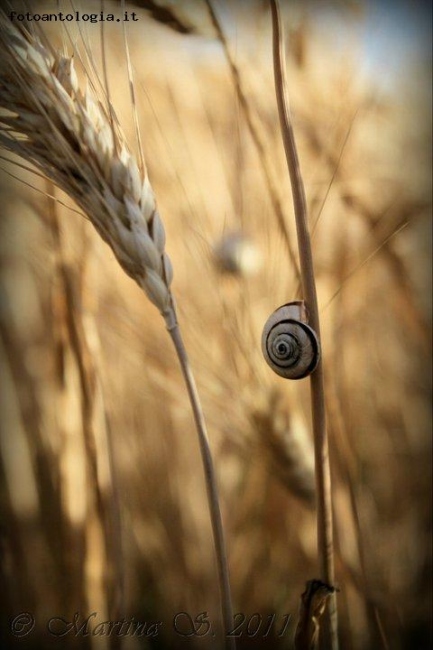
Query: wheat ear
[
  {"x": 69, "y": 135},
  {"x": 76, "y": 142}
]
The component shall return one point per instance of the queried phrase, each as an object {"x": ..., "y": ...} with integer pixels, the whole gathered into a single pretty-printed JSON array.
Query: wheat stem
[
  {"x": 322, "y": 467},
  {"x": 211, "y": 487}
]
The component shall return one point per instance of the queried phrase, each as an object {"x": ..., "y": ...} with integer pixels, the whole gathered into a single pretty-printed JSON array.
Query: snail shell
[
  {"x": 236, "y": 254},
  {"x": 290, "y": 346}
]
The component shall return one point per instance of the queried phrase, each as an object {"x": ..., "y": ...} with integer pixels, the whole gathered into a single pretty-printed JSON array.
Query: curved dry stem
[
  {"x": 211, "y": 487},
  {"x": 322, "y": 468},
  {"x": 259, "y": 140}
]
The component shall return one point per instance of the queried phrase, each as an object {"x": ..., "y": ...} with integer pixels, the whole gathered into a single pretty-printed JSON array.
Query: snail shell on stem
[{"x": 290, "y": 346}]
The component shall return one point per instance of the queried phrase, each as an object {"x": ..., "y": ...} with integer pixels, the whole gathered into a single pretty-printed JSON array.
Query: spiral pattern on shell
[{"x": 289, "y": 345}]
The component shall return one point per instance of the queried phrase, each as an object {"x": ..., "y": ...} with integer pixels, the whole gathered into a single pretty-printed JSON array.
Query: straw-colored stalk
[{"x": 325, "y": 544}]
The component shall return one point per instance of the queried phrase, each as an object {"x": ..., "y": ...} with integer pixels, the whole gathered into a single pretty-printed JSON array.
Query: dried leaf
[{"x": 313, "y": 604}]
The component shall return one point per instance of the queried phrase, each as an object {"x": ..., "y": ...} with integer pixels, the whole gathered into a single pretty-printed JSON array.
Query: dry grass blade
[{"x": 259, "y": 141}]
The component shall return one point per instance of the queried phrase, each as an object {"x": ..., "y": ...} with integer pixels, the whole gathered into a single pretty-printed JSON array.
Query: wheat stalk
[
  {"x": 325, "y": 542},
  {"x": 75, "y": 140}
]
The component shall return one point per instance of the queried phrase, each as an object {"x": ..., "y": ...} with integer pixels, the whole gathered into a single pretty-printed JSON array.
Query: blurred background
[{"x": 102, "y": 494}]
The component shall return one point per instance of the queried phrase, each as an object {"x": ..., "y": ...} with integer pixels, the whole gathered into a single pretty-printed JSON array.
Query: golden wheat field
[{"x": 105, "y": 539}]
